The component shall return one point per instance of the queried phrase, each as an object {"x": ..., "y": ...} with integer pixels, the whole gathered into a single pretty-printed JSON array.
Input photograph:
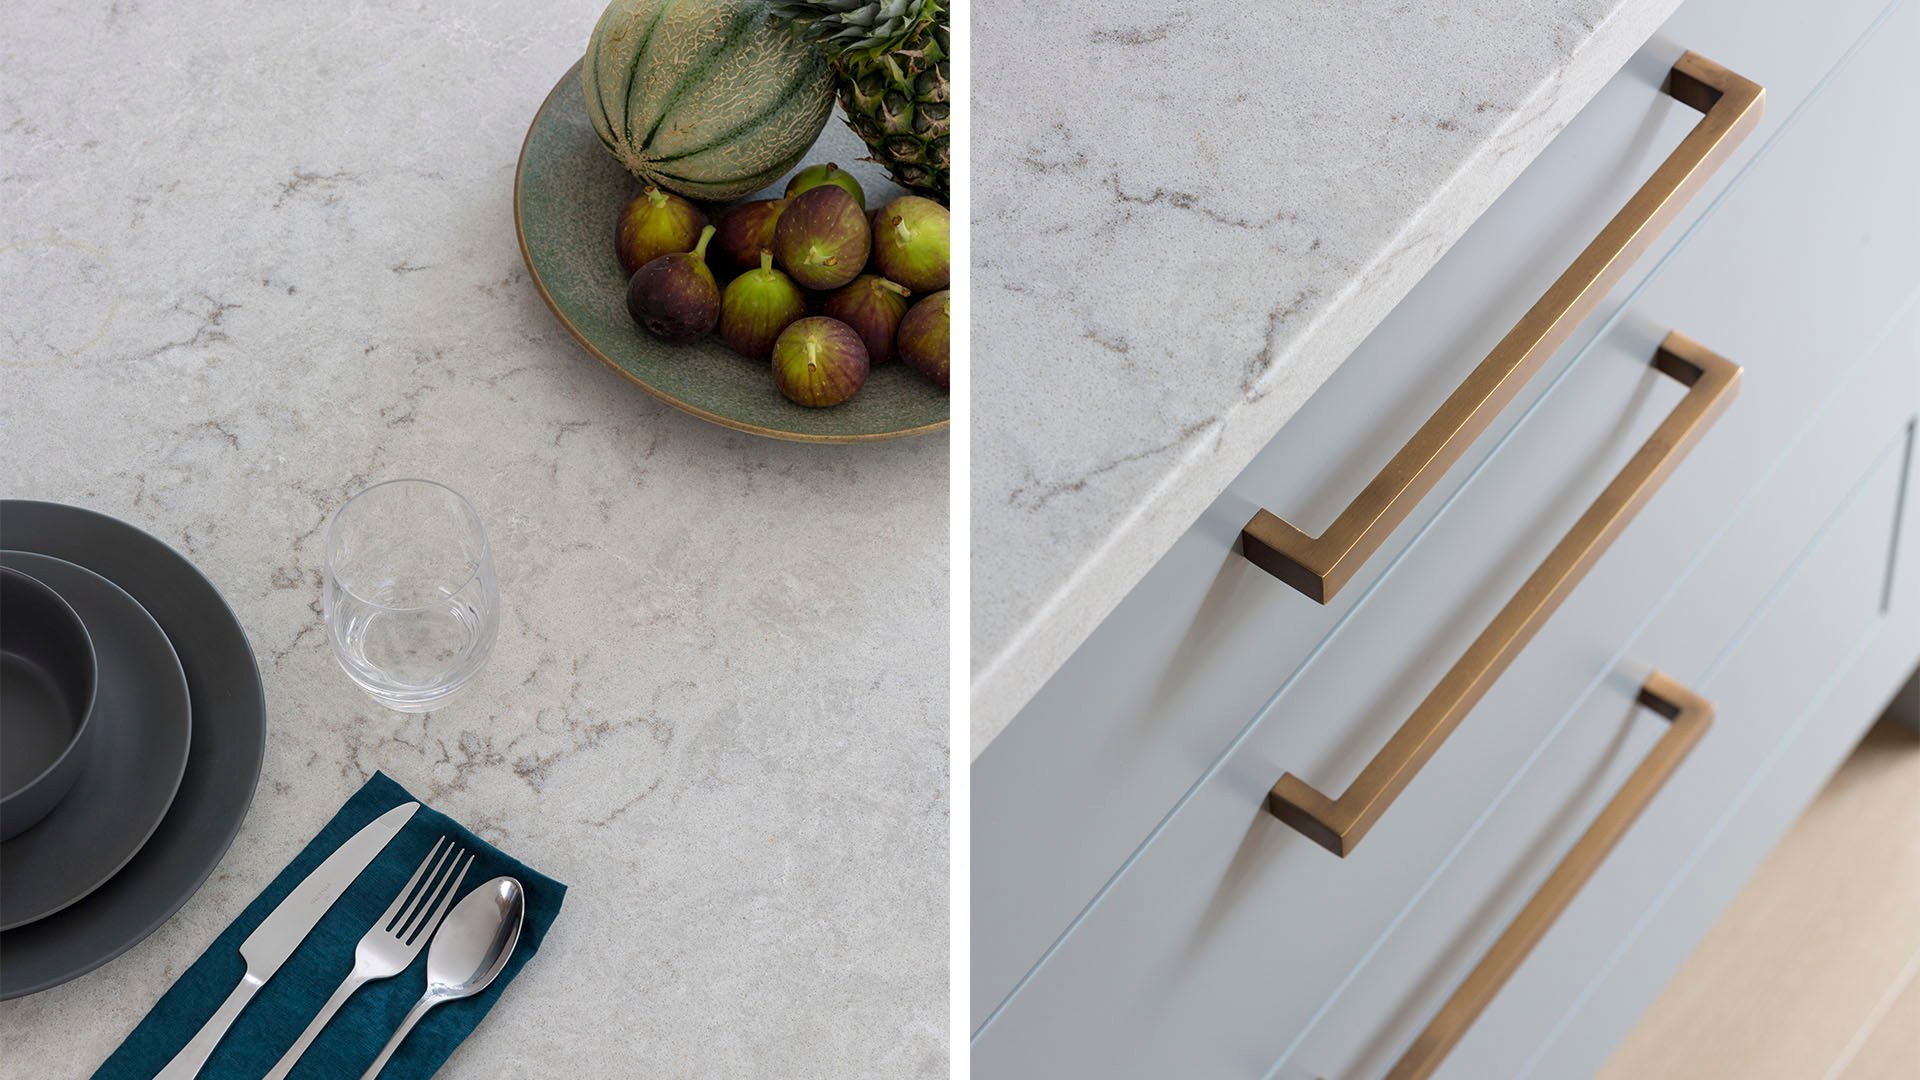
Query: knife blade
[{"x": 285, "y": 928}]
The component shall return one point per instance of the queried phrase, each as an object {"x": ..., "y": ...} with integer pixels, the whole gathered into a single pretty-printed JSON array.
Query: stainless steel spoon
[{"x": 472, "y": 946}]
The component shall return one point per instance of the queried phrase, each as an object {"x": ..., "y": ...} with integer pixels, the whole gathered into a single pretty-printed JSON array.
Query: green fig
[
  {"x": 910, "y": 244},
  {"x": 819, "y": 362},
  {"x": 744, "y": 232},
  {"x": 924, "y": 336},
  {"x": 873, "y": 306},
  {"x": 656, "y": 223},
  {"x": 675, "y": 296},
  {"x": 757, "y": 306},
  {"x": 822, "y": 238},
  {"x": 814, "y": 175}
]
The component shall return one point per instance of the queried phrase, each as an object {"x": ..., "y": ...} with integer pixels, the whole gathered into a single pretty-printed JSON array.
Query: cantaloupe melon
[{"x": 712, "y": 99}]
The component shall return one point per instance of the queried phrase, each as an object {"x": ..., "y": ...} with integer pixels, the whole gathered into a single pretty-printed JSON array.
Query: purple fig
[
  {"x": 757, "y": 306},
  {"x": 656, "y": 223},
  {"x": 910, "y": 243},
  {"x": 822, "y": 238},
  {"x": 814, "y": 175},
  {"x": 819, "y": 362},
  {"x": 924, "y": 334},
  {"x": 675, "y": 296},
  {"x": 744, "y": 232},
  {"x": 873, "y": 307}
]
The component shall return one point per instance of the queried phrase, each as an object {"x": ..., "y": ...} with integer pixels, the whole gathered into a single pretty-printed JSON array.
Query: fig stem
[
  {"x": 900, "y": 228},
  {"x": 700, "y": 249},
  {"x": 766, "y": 260},
  {"x": 895, "y": 287},
  {"x": 655, "y": 195}
]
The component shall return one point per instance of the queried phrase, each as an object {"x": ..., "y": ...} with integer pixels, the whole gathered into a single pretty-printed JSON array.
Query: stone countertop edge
[{"x": 1117, "y": 522}]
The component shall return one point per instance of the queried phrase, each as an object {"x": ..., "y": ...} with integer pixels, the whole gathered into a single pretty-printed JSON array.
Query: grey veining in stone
[
  {"x": 255, "y": 257},
  {"x": 1183, "y": 221}
]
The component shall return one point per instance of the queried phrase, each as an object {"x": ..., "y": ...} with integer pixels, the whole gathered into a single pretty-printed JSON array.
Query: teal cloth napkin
[{"x": 282, "y": 1008}]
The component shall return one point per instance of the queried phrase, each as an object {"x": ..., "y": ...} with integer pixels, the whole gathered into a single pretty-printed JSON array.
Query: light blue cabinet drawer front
[
  {"x": 1593, "y": 1021},
  {"x": 1774, "y": 676},
  {"x": 1830, "y": 538},
  {"x": 1127, "y": 727},
  {"x": 1225, "y": 934}
]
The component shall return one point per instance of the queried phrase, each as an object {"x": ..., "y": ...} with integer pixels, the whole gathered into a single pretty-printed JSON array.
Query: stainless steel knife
[{"x": 282, "y": 931}]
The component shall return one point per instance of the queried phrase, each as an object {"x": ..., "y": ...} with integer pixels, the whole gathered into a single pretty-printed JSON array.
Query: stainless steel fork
[{"x": 395, "y": 939}]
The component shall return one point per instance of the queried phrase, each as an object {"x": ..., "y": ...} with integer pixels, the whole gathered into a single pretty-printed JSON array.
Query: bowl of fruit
[{"x": 696, "y": 224}]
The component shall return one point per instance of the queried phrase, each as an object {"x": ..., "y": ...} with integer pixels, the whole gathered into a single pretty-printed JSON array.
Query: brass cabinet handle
[
  {"x": 1338, "y": 824},
  {"x": 1320, "y": 565},
  {"x": 1689, "y": 714}
]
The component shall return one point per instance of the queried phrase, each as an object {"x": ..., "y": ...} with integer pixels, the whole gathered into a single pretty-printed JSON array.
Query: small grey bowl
[{"x": 48, "y": 678}]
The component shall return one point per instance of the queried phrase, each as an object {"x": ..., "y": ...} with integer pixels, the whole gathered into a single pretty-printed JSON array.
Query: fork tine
[
  {"x": 436, "y": 885},
  {"x": 432, "y": 923},
  {"x": 416, "y": 901},
  {"x": 394, "y": 908}
]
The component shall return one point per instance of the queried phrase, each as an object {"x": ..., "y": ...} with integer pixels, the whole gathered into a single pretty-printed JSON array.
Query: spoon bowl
[
  {"x": 467, "y": 954},
  {"x": 475, "y": 941}
]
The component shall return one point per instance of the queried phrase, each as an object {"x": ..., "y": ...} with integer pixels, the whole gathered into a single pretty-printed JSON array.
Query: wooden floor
[{"x": 1813, "y": 973}]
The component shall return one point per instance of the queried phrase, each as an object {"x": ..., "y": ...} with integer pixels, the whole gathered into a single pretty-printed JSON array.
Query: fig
[
  {"x": 910, "y": 243},
  {"x": 819, "y": 362},
  {"x": 675, "y": 296},
  {"x": 656, "y": 223},
  {"x": 822, "y": 238},
  {"x": 757, "y": 306},
  {"x": 744, "y": 232},
  {"x": 924, "y": 334},
  {"x": 873, "y": 307},
  {"x": 814, "y": 175}
]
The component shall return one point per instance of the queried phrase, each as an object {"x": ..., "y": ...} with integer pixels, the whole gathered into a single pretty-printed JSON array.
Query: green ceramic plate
[{"x": 566, "y": 196}]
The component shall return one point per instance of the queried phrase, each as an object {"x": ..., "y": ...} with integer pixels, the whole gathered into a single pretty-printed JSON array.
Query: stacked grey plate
[{"x": 132, "y": 726}]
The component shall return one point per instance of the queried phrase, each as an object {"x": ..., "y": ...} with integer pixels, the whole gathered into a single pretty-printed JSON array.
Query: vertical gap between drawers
[{"x": 1899, "y": 515}]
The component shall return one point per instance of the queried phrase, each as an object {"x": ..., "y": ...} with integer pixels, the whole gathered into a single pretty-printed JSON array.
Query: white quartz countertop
[
  {"x": 255, "y": 257},
  {"x": 1183, "y": 221}
]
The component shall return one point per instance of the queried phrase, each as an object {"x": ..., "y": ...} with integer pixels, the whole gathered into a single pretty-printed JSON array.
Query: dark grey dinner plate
[
  {"x": 223, "y": 762},
  {"x": 135, "y": 760}
]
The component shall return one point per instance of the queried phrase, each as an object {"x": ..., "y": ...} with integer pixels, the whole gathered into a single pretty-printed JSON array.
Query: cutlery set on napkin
[
  {"x": 339, "y": 967},
  {"x": 483, "y": 939}
]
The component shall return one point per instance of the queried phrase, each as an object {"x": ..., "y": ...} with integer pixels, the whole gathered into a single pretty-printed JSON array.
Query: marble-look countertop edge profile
[{"x": 1112, "y": 548}]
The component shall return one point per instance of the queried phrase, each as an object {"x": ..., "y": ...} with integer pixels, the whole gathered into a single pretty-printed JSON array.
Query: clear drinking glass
[{"x": 411, "y": 603}]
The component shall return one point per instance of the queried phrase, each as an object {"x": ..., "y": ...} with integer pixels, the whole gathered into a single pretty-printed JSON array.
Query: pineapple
[{"x": 890, "y": 60}]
